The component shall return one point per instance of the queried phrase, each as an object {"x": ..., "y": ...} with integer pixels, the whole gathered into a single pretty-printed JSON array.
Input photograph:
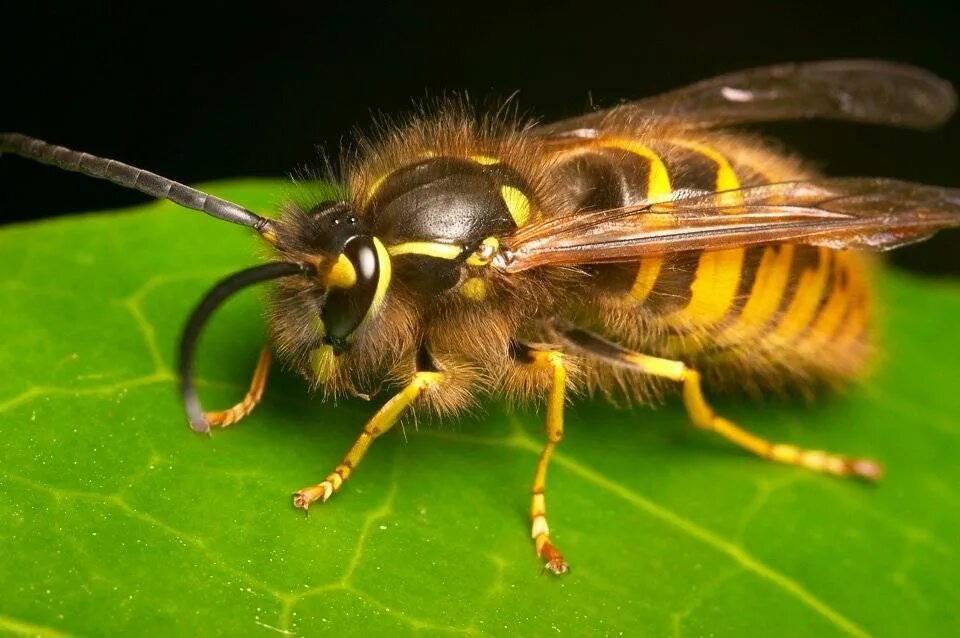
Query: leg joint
[{"x": 528, "y": 355}]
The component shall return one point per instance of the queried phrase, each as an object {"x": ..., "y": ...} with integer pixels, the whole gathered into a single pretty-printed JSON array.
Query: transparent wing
[
  {"x": 856, "y": 90},
  {"x": 868, "y": 213}
]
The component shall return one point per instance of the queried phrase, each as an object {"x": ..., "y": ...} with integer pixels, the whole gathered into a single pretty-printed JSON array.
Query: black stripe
[
  {"x": 857, "y": 298},
  {"x": 853, "y": 303},
  {"x": 671, "y": 291},
  {"x": 826, "y": 293},
  {"x": 748, "y": 277},
  {"x": 689, "y": 169},
  {"x": 804, "y": 258},
  {"x": 613, "y": 278},
  {"x": 603, "y": 178}
]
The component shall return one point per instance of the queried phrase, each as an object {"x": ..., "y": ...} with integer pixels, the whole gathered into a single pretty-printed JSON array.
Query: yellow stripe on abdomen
[
  {"x": 715, "y": 284},
  {"x": 773, "y": 275},
  {"x": 852, "y": 329},
  {"x": 647, "y": 273},
  {"x": 826, "y": 324},
  {"x": 806, "y": 299},
  {"x": 658, "y": 180},
  {"x": 658, "y": 188},
  {"x": 714, "y": 287}
]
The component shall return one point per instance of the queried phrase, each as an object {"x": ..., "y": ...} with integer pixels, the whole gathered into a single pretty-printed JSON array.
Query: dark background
[{"x": 198, "y": 97}]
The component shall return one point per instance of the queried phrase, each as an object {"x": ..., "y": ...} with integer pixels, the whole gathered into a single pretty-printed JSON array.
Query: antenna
[
  {"x": 201, "y": 314},
  {"x": 135, "y": 178}
]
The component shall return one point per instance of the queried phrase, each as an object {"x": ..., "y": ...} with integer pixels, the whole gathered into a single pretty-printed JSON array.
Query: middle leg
[{"x": 552, "y": 361}]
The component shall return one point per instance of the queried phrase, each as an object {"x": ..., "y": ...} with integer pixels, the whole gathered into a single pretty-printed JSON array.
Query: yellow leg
[
  {"x": 540, "y": 531},
  {"x": 704, "y": 417},
  {"x": 223, "y": 418},
  {"x": 383, "y": 420}
]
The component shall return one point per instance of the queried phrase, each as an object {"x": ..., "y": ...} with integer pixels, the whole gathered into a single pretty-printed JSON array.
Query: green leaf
[{"x": 118, "y": 520}]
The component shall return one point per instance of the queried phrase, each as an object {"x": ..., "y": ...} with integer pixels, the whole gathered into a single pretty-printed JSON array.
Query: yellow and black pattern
[
  {"x": 435, "y": 211},
  {"x": 776, "y": 296}
]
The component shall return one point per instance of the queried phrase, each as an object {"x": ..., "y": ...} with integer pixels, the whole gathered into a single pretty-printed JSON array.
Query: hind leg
[{"x": 704, "y": 417}]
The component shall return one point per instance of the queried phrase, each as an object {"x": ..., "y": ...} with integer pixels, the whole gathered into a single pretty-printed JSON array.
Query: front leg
[
  {"x": 223, "y": 418},
  {"x": 424, "y": 379}
]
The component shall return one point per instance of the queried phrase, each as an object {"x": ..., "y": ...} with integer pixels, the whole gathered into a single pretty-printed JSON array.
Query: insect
[{"x": 625, "y": 253}]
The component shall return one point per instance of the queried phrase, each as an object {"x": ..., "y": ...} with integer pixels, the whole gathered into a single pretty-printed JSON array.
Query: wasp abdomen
[
  {"x": 602, "y": 178},
  {"x": 769, "y": 297}
]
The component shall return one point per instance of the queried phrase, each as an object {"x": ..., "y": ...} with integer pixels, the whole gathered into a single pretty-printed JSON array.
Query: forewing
[
  {"x": 856, "y": 90},
  {"x": 867, "y": 213}
]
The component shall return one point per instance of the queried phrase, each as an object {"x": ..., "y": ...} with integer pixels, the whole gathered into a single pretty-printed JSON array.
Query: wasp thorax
[
  {"x": 450, "y": 199},
  {"x": 425, "y": 209}
]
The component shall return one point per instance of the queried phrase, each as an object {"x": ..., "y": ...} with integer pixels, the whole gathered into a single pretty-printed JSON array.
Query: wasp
[{"x": 624, "y": 253}]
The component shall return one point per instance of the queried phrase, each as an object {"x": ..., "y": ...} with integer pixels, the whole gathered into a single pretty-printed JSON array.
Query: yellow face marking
[
  {"x": 323, "y": 362},
  {"x": 428, "y": 248},
  {"x": 474, "y": 289},
  {"x": 517, "y": 203},
  {"x": 484, "y": 253},
  {"x": 383, "y": 282},
  {"x": 343, "y": 274},
  {"x": 486, "y": 160}
]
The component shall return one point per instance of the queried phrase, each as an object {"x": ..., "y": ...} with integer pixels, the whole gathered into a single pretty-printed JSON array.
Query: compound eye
[{"x": 363, "y": 273}]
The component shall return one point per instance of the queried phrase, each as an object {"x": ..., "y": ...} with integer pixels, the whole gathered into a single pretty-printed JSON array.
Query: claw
[
  {"x": 867, "y": 469},
  {"x": 300, "y": 501},
  {"x": 556, "y": 566},
  {"x": 308, "y": 495}
]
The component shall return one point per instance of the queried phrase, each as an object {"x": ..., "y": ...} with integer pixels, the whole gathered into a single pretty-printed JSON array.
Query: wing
[
  {"x": 855, "y": 90},
  {"x": 870, "y": 213}
]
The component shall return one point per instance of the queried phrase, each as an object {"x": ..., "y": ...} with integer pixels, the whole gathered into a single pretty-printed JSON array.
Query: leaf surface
[{"x": 118, "y": 520}]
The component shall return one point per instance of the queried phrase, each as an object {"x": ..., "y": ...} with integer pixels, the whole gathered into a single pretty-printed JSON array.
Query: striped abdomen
[{"x": 800, "y": 298}]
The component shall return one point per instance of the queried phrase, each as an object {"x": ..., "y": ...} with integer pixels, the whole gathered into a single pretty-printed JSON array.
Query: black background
[{"x": 200, "y": 94}]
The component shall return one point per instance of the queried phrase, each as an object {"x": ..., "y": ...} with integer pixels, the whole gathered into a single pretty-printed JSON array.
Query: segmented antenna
[{"x": 132, "y": 177}]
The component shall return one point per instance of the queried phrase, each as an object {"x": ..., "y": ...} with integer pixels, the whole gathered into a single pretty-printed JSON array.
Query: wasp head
[{"x": 350, "y": 273}]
